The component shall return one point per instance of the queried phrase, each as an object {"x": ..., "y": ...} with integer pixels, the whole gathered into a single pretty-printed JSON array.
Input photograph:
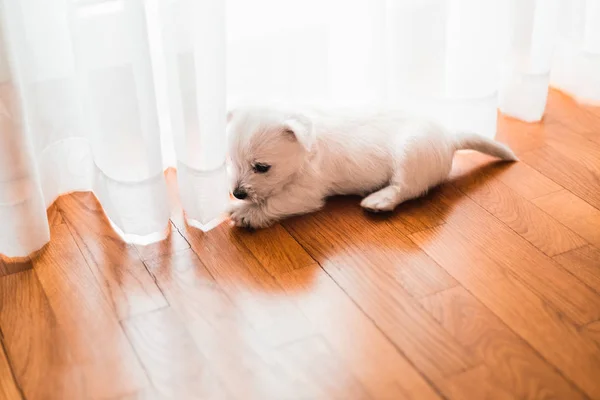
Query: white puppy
[{"x": 288, "y": 163}]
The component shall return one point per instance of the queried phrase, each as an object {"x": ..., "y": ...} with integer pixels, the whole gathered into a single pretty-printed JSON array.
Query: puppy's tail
[{"x": 472, "y": 141}]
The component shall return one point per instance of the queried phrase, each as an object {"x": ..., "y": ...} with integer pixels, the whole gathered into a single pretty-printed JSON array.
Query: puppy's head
[{"x": 267, "y": 148}]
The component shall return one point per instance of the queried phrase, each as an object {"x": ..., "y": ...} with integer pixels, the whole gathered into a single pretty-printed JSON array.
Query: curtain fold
[
  {"x": 194, "y": 44},
  {"x": 103, "y": 95},
  {"x": 23, "y": 224},
  {"x": 576, "y": 60},
  {"x": 526, "y": 63}
]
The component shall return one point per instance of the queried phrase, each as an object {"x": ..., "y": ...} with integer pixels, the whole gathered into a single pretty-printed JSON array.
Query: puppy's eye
[{"x": 261, "y": 168}]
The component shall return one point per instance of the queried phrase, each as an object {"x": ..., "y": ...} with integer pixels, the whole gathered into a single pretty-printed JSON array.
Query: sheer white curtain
[
  {"x": 79, "y": 112},
  {"x": 102, "y": 95}
]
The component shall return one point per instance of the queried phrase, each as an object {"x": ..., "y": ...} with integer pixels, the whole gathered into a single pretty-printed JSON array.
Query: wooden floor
[{"x": 487, "y": 288}]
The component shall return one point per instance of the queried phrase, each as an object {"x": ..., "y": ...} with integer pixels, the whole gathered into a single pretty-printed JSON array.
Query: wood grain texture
[
  {"x": 370, "y": 273},
  {"x": 275, "y": 249},
  {"x": 115, "y": 264},
  {"x": 330, "y": 236},
  {"x": 592, "y": 331},
  {"x": 520, "y": 177},
  {"x": 328, "y": 308},
  {"x": 578, "y": 118},
  {"x": 556, "y": 339},
  {"x": 248, "y": 284},
  {"x": 242, "y": 355},
  {"x": 574, "y": 213},
  {"x": 578, "y": 149},
  {"x": 109, "y": 367},
  {"x": 567, "y": 172},
  {"x": 518, "y": 213},
  {"x": 512, "y": 253},
  {"x": 416, "y": 334},
  {"x": 522, "y": 136},
  {"x": 383, "y": 371},
  {"x": 584, "y": 263},
  {"x": 526, "y": 181},
  {"x": 216, "y": 326},
  {"x": 37, "y": 347},
  {"x": 461, "y": 386},
  {"x": 511, "y": 363},
  {"x": 8, "y": 387}
]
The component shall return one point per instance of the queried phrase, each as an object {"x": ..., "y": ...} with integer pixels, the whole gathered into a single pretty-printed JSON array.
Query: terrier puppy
[{"x": 287, "y": 163}]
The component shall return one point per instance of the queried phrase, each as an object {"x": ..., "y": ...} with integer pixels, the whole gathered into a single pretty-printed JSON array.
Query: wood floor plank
[
  {"x": 353, "y": 260},
  {"x": 170, "y": 357},
  {"x": 245, "y": 359},
  {"x": 211, "y": 318},
  {"x": 584, "y": 263},
  {"x": 38, "y": 348},
  {"x": 573, "y": 212},
  {"x": 577, "y": 148},
  {"x": 573, "y": 126},
  {"x": 412, "y": 330},
  {"x": 544, "y": 275},
  {"x": 409, "y": 217},
  {"x": 522, "y": 136},
  {"x": 240, "y": 355},
  {"x": 581, "y": 119},
  {"x": 518, "y": 213},
  {"x": 511, "y": 363},
  {"x": 592, "y": 135},
  {"x": 516, "y": 305},
  {"x": 419, "y": 214},
  {"x": 249, "y": 285},
  {"x": 520, "y": 177},
  {"x": 592, "y": 331},
  {"x": 567, "y": 172},
  {"x": 275, "y": 249},
  {"x": 373, "y": 359},
  {"x": 462, "y": 386},
  {"x": 527, "y": 181},
  {"x": 8, "y": 387},
  {"x": 99, "y": 346},
  {"x": 327, "y": 307},
  {"x": 115, "y": 264},
  {"x": 343, "y": 231},
  {"x": 279, "y": 253}
]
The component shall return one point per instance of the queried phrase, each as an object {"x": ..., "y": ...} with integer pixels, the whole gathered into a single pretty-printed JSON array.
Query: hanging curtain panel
[
  {"x": 194, "y": 48},
  {"x": 103, "y": 95}
]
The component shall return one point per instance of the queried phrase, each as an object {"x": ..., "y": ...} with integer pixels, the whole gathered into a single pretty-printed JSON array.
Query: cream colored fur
[{"x": 389, "y": 157}]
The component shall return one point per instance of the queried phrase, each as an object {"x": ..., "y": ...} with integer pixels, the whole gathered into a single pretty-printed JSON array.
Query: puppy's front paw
[
  {"x": 248, "y": 215},
  {"x": 378, "y": 202}
]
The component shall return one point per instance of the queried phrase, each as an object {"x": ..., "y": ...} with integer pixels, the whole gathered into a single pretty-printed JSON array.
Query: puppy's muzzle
[{"x": 239, "y": 193}]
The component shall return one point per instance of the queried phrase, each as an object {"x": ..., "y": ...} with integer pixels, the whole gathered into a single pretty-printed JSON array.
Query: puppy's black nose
[{"x": 240, "y": 194}]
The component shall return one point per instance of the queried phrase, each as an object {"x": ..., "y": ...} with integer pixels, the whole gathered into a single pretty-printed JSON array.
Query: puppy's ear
[
  {"x": 230, "y": 115},
  {"x": 301, "y": 128}
]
